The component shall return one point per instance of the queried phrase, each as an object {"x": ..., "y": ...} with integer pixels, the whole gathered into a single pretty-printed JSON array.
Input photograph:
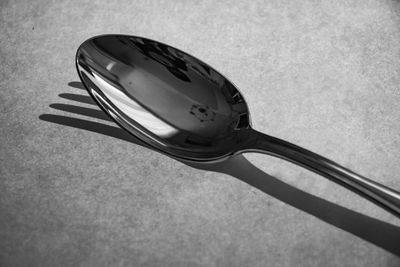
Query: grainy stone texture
[{"x": 322, "y": 74}]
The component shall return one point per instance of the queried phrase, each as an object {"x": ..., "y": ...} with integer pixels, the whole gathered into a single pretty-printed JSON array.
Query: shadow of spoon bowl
[{"x": 382, "y": 234}]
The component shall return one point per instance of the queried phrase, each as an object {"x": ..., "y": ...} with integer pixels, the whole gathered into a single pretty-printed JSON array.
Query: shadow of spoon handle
[{"x": 380, "y": 194}]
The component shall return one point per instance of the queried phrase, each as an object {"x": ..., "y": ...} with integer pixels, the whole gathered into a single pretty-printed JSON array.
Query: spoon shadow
[{"x": 382, "y": 234}]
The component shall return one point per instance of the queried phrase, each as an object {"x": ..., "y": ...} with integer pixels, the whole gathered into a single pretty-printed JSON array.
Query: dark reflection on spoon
[
  {"x": 386, "y": 237},
  {"x": 160, "y": 53},
  {"x": 182, "y": 107}
]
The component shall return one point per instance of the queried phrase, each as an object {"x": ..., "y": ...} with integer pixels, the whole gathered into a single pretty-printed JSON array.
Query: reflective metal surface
[
  {"x": 165, "y": 97},
  {"x": 182, "y": 107}
]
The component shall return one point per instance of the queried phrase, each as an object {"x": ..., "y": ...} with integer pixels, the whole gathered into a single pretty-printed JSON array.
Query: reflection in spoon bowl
[{"x": 184, "y": 108}]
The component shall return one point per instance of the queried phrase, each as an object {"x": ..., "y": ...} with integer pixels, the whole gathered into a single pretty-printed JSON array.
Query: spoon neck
[{"x": 381, "y": 195}]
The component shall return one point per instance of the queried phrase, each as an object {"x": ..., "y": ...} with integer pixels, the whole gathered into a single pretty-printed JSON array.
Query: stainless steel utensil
[{"x": 184, "y": 108}]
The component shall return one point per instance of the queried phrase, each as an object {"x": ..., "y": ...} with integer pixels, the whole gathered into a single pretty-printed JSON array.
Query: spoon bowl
[
  {"x": 184, "y": 108},
  {"x": 165, "y": 97}
]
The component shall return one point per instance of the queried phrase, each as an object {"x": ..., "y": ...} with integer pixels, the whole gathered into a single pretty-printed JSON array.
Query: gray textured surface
[{"x": 322, "y": 74}]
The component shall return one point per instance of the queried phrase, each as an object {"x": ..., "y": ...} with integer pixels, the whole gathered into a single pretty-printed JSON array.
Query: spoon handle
[{"x": 380, "y": 194}]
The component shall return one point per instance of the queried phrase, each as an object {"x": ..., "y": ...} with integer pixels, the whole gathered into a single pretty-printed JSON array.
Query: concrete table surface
[{"x": 75, "y": 190}]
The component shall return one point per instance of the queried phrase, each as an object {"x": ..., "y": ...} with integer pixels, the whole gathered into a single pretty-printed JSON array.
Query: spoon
[{"x": 182, "y": 107}]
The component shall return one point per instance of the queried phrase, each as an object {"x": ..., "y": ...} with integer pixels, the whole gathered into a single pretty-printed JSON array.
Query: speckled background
[{"x": 75, "y": 190}]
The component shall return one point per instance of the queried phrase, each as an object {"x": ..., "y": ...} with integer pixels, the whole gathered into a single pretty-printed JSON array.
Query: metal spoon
[{"x": 184, "y": 108}]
